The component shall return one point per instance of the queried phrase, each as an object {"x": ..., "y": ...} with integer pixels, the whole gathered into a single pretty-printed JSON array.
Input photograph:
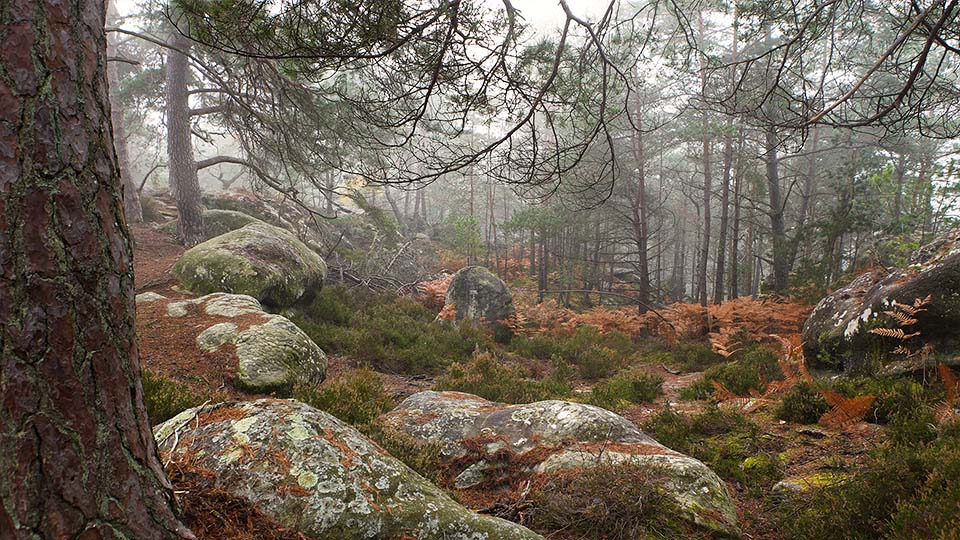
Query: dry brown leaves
[{"x": 845, "y": 411}]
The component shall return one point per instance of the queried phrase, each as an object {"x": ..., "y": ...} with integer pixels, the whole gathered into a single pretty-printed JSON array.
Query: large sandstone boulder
[
  {"x": 272, "y": 353},
  {"x": 837, "y": 333},
  {"x": 477, "y": 435},
  {"x": 216, "y": 222},
  {"x": 260, "y": 260},
  {"x": 477, "y": 294},
  {"x": 311, "y": 472}
]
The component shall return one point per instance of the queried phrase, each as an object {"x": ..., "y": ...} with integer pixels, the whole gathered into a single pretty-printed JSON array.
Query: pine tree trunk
[
  {"x": 807, "y": 198},
  {"x": 77, "y": 457},
  {"x": 724, "y": 216},
  {"x": 735, "y": 233},
  {"x": 707, "y": 181},
  {"x": 725, "y": 192},
  {"x": 639, "y": 209},
  {"x": 183, "y": 169},
  {"x": 781, "y": 265},
  {"x": 131, "y": 193}
]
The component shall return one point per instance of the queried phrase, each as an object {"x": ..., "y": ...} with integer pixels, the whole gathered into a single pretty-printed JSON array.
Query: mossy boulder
[
  {"x": 480, "y": 439},
  {"x": 837, "y": 333},
  {"x": 311, "y": 472},
  {"x": 272, "y": 353},
  {"x": 477, "y": 294},
  {"x": 216, "y": 222},
  {"x": 259, "y": 260}
]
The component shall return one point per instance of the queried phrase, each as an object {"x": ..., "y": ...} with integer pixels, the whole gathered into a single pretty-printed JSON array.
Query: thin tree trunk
[
  {"x": 639, "y": 209},
  {"x": 707, "y": 180},
  {"x": 719, "y": 281},
  {"x": 724, "y": 216},
  {"x": 781, "y": 271},
  {"x": 184, "y": 183},
  {"x": 131, "y": 195},
  {"x": 77, "y": 456},
  {"x": 735, "y": 235},
  {"x": 807, "y": 198},
  {"x": 328, "y": 195}
]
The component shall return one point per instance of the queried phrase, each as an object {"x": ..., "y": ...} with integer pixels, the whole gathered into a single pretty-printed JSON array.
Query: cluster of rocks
[
  {"x": 551, "y": 436},
  {"x": 309, "y": 471},
  {"x": 273, "y": 354}
]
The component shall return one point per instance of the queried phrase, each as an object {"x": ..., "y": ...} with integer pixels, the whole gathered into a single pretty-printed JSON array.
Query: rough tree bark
[
  {"x": 77, "y": 457},
  {"x": 184, "y": 183}
]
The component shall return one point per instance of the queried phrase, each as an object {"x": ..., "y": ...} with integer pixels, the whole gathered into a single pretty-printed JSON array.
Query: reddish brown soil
[
  {"x": 168, "y": 346},
  {"x": 154, "y": 254}
]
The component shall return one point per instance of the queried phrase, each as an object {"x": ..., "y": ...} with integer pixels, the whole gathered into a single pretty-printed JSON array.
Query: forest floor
[{"x": 169, "y": 349}]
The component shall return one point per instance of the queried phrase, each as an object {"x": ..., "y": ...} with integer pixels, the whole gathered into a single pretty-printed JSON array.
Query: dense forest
[{"x": 477, "y": 270}]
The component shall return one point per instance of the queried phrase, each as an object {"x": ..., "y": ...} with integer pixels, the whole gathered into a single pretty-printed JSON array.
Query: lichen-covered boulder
[
  {"x": 272, "y": 353},
  {"x": 477, "y": 294},
  {"x": 260, "y": 260},
  {"x": 311, "y": 472},
  {"x": 478, "y": 436},
  {"x": 216, "y": 222},
  {"x": 836, "y": 335}
]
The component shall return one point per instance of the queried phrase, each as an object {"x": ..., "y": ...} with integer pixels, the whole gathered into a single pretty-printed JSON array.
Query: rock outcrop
[
  {"x": 272, "y": 353},
  {"x": 478, "y": 295},
  {"x": 260, "y": 260},
  {"x": 216, "y": 222},
  {"x": 837, "y": 333},
  {"x": 477, "y": 436},
  {"x": 311, "y": 472}
]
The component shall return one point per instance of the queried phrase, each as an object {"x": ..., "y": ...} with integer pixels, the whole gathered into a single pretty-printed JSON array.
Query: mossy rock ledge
[
  {"x": 216, "y": 222},
  {"x": 311, "y": 472},
  {"x": 259, "y": 260},
  {"x": 478, "y": 295},
  {"x": 551, "y": 436},
  {"x": 273, "y": 354},
  {"x": 837, "y": 333}
]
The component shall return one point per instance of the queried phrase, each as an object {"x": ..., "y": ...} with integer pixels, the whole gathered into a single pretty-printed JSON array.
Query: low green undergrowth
[
  {"x": 593, "y": 354},
  {"x": 485, "y": 376},
  {"x": 607, "y": 502},
  {"x": 802, "y": 404},
  {"x": 166, "y": 398},
  {"x": 391, "y": 333},
  {"x": 627, "y": 387},
  {"x": 894, "y": 396},
  {"x": 747, "y": 370},
  {"x": 731, "y": 444},
  {"x": 908, "y": 490},
  {"x": 357, "y": 397}
]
